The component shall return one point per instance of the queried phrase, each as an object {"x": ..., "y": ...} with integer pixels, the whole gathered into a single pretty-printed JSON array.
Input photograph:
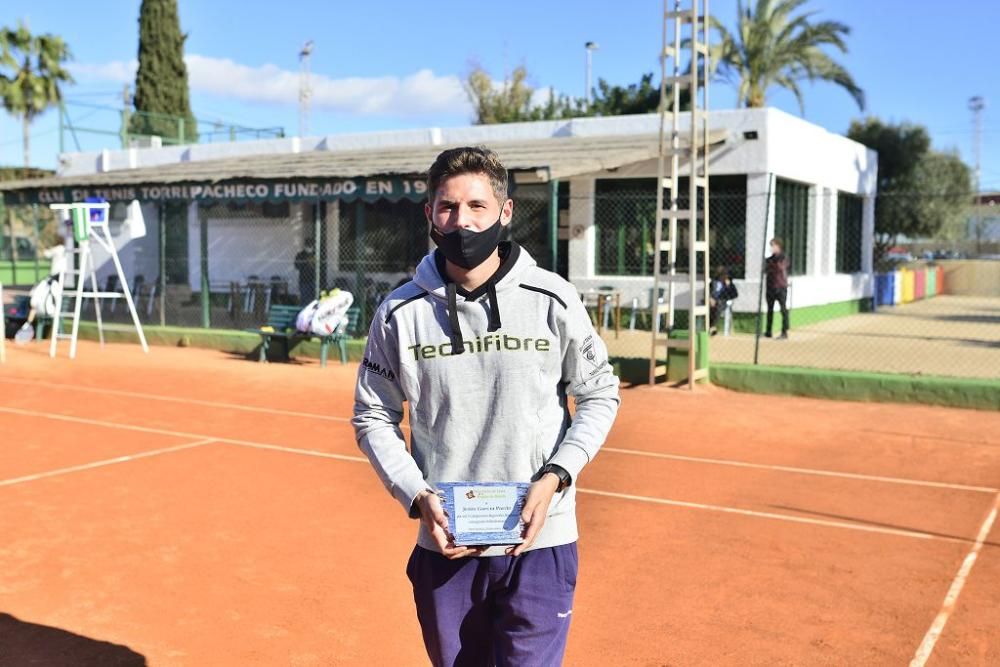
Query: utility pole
[
  {"x": 126, "y": 116},
  {"x": 976, "y": 106},
  {"x": 590, "y": 48},
  {"x": 305, "y": 87}
]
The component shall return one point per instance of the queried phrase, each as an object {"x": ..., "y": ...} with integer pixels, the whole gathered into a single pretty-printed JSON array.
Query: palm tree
[
  {"x": 34, "y": 73},
  {"x": 773, "y": 48}
]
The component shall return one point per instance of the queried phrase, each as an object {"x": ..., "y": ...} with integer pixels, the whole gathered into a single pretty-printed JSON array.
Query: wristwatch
[{"x": 564, "y": 477}]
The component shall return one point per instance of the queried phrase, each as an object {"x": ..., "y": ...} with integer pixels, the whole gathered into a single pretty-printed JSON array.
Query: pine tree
[{"x": 161, "y": 84}]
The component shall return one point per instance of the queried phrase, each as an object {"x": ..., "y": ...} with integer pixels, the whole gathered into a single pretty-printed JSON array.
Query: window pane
[
  {"x": 624, "y": 214},
  {"x": 530, "y": 226},
  {"x": 849, "y": 208},
  {"x": 791, "y": 221},
  {"x": 625, "y": 218},
  {"x": 387, "y": 237}
]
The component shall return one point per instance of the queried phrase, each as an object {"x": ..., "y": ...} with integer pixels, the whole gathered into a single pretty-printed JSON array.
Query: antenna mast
[{"x": 305, "y": 87}]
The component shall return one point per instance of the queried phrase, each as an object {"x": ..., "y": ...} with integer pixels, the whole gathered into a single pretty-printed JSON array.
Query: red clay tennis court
[{"x": 195, "y": 508}]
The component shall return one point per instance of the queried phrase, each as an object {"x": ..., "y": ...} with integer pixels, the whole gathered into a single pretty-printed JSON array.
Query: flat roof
[{"x": 557, "y": 157}]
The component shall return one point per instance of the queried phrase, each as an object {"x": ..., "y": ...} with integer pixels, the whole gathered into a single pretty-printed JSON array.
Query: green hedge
[{"x": 977, "y": 394}]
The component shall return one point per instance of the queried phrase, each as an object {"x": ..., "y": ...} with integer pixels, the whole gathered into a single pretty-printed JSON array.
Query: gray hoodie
[{"x": 486, "y": 375}]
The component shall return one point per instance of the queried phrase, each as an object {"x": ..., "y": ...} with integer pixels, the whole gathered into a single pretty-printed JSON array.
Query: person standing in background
[
  {"x": 776, "y": 269},
  {"x": 305, "y": 264}
]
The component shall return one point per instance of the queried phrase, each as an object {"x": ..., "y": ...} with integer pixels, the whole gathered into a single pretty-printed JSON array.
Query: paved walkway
[{"x": 946, "y": 335}]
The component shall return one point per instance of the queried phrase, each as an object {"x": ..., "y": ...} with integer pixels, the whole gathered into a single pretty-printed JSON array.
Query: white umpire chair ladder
[
  {"x": 90, "y": 223},
  {"x": 676, "y": 22}
]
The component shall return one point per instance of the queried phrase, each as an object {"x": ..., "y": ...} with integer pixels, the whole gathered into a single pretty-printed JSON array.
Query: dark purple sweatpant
[{"x": 498, "y": 610}]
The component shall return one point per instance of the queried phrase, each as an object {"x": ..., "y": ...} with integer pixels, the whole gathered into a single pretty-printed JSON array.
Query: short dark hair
[
  {"x": 778, "y": 242},
  {"x": 468, "y": 160}
]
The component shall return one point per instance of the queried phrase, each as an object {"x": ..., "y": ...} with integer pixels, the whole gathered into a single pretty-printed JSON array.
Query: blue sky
[{"x": 397, "y": 64}]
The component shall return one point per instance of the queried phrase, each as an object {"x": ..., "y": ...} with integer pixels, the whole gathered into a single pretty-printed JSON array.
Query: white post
[
  {"x": 759, "y": 224},
  {"x": 97, "y": 303},
  {"x": 815, "y": 224},
  {"x": 582, "y": 235},
  {"x": 78, "y": 303},
  {"x": 831, "y": 230},
  {"x": 57, "y": 316},
  {"x": 110, "y": 246},
  {"x": 868, "y": 242}
]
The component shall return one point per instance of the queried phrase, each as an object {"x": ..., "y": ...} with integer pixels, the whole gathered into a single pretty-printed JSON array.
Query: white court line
[
  {"x": 616, "y": 450},
  {"x": 105, "y": 462},
  {"x": 771, "y": 515},
  {"x": 295, "y": 450},
  {"x": 930, "y": 639},
  {"x": 174, "y": 399},
  {"x": 358, "y": 459},
  {"x": 804, "y": 471},
  {"x": 179, "y": 434}
]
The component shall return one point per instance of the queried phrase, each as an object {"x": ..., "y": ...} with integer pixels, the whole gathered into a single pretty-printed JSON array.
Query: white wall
[
  {"x": 138, "y": 256},
  {"x": 241, "y": 246},
  {"x": 786, "y": 147}
]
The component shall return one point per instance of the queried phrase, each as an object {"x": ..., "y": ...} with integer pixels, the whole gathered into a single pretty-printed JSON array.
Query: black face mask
[{"x": 466, "y": 248}]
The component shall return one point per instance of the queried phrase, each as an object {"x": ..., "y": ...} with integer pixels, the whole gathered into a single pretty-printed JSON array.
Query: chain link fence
[
  {"x": 854, "y": 301},
  {"x": 223, "y": 265}
]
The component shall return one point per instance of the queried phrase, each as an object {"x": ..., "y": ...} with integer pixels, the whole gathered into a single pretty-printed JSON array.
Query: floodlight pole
[
  {"x": 976, "y": 106},
  {"x": 590, "y": 47},
  {"x": 305, "y": 87}
]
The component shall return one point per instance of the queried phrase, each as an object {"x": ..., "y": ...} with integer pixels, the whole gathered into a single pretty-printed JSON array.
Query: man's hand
[
  {"x": 436, "y": 522},
  {"x": 536, "y": 507}
]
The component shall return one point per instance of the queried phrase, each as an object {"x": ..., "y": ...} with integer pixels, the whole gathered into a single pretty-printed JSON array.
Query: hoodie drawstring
[
  {"x": 457, "y": 342},
  {"x": 494, "y": 324}
]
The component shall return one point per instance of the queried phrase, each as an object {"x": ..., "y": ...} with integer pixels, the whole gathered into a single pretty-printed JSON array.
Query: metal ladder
[
  {"x": 696, "y": 215},
  {"x": 85, "y": 229}
]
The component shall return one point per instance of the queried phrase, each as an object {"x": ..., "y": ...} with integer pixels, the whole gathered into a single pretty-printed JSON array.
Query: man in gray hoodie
[{"x": 485, "y": 347}]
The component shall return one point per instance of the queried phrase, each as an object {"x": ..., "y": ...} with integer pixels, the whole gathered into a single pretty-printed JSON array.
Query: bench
[{"x": 281, "y": 319}]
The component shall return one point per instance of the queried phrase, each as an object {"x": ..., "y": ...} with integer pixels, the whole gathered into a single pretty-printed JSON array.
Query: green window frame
[
  {"x": 624, "y": 217},
  {"x": 791, "y": 221},
  {"x": 849, "y": 231}
]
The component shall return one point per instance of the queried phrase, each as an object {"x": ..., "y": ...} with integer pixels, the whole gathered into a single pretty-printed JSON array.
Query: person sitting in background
[
  {"x": 722, "y": 295},
  {"x": 776, "y": 269}
]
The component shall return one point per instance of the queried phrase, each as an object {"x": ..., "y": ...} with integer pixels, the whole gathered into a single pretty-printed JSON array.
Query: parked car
[{"x": 899, "y": 257}]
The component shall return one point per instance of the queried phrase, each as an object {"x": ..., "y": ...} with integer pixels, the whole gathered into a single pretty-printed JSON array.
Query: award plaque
[{"x": 484, "y": 513}]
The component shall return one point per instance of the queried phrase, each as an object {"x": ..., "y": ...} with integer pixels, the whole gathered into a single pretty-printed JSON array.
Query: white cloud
[
  {"x": 118, "y": 71},
  {"x": 419, "y": 93}
]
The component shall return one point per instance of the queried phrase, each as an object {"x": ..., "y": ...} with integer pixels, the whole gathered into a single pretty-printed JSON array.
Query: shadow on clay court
[
  {"x": 865, "y": 522},
  {"x": 24, "y": 643},
  {"x": 254, "y": 356}
]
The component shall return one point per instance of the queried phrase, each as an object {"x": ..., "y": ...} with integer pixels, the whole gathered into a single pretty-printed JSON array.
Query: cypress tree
[{"x": 161, "y": 84}]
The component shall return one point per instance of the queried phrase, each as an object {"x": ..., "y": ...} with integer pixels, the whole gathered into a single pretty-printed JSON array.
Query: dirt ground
[{"x": 194, "y": 508}]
